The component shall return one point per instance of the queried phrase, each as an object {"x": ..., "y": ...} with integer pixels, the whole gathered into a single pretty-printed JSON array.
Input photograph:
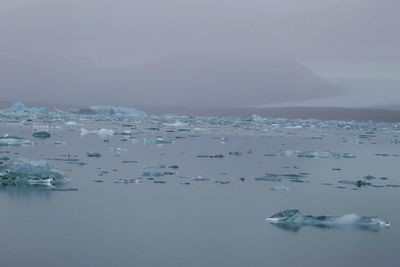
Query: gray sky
[{"x": 72, "y": 42}]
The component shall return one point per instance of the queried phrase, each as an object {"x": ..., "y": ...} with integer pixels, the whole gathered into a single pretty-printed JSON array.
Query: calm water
[{"x": 184, "y": 222}]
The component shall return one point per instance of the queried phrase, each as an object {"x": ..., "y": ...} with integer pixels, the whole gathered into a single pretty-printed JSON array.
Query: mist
[{"x": 187, "y": 53}]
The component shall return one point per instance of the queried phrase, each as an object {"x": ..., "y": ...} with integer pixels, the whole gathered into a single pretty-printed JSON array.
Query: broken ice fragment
[
  {"x": 41, "y": 135},
  {"x": 294, "y": 220},
  {"x": 101, "y": 132},
  {"x": 157, "y": 141},
  {"x": 153, "y": 174},
  {"x": 173, "y": 167},
  {"x": 222, "y": 182},
  {"x": 279, "y": 188},
  {"x": 369, "y": 177},
  {"x": 358, "y": 183},
  {"x": 117, "y": 111},
  {"x": 148, "y": 167},
  {"x": 18, "y": 107},
  {"x": 130, "y": 161},
  {"x": 393, "y": 185},
  {"x": 315, "y": 154},
  {"x": 218, "y": 156},
  {"x": 31, "y": 172},
  {"x": 10, "y": 140},
  {"x": 93, "y": 155},
  {"x": 127, "y": 181},
  {"x": 176, "y": 124},
  {"x": 273, "y": 177},
  {"x": 200, "y": 179}
]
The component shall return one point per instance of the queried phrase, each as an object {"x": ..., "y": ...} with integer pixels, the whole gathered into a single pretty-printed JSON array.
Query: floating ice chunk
[
  {"x": 218, "y": 156},
  {"x": 31, "y": 172},
  {"x": 102, "y": 132},
  {"x": 294, "y": 220},
  {"x": 10, "y": 140},
  {"x": 315, "y": 154},
  {"x": 395, "y": 141},
  {"x": 200, "y": 179},
  {"x": 128, "y": 181},
  {"x": 149, "y": 167},
  {"x": 358, "y": 183},
  {"x": 176, "y": 124},
  {"x": 256, "y": 118},
  {"x": 71, "y": 123},
  {"x": 117, "y": 151},
  {"x": 93, "y": 155},
  {"x": 279, "y": 188},
  {"x": 222, "y": 182},
  {"x": 41, "y": 135},
  {"x": 274, "y": 177},
  {"x": 118, "y": 111},
  {"x": 157, "y": 141},
  {"x": 18, "y": 107}
]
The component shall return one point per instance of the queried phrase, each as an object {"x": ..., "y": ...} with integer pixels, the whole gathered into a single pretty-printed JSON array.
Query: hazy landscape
[{"x": 199, "y": 133}]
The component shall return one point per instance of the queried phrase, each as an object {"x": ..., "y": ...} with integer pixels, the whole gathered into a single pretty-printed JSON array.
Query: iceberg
[
  {"x": 256, "y": 118},
  {"x": 19, "y": 108},
  {"x": 10, "y": 140},
  {"x": 294, "y": 220},
  {"x": 32, "y": 172},
  {"x": 102, "y": 132},
  {"x": 157, "y": 141},
  {"x": 274, "y": 177},
  {"x": 322, "y": 155},
  {"x": 176, "y": 124},
  {"x": 41, "y": 135},
  {"x": 118, "y": 111}
]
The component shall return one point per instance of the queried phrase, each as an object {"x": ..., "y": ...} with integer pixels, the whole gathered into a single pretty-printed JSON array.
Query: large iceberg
[
  {"x": 33, "y": 172},
  {"x": 294, "y": 220}
]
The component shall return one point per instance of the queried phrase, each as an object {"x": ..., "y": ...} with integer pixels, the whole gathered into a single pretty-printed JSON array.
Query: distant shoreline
[{"x": 320, "y": 113}]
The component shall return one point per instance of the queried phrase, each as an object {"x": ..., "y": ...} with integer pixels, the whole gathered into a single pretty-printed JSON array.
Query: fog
[{"x": 203, "y": 53}]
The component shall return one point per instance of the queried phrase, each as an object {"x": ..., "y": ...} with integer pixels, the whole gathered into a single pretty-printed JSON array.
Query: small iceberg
[
  {"x": 256, "y": 118},
  {"x": 316, "y": 154},
  {"x": 176, "y": 124},
  {"x": 294, "y": 220},
  {"x": 157, "y": 141},
  {"x": 32, "y": 172},
  {"x": 101, "y": 132},
  {"x": 20, "y": 109},
  {"x": 10, "y": 140},
  {"x": 118, "y": 111}
]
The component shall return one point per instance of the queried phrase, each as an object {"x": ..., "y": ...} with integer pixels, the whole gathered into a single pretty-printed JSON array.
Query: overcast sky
[{"x": 115, "y": 33}]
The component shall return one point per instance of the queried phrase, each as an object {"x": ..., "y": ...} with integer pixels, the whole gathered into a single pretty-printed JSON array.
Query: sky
[{"x": 56, "y": 50}]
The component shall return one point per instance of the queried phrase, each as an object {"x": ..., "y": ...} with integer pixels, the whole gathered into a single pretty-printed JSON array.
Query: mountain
[{"x": 197, "y": 81}]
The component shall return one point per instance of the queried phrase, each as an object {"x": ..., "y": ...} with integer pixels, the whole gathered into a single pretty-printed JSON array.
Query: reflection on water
[
  {"x": 295, "y": 227},
  {"x": 24, "y": 191}
]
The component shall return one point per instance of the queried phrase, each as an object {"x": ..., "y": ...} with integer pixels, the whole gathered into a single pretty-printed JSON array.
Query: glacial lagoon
[{"x": 111, "y": 186}]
